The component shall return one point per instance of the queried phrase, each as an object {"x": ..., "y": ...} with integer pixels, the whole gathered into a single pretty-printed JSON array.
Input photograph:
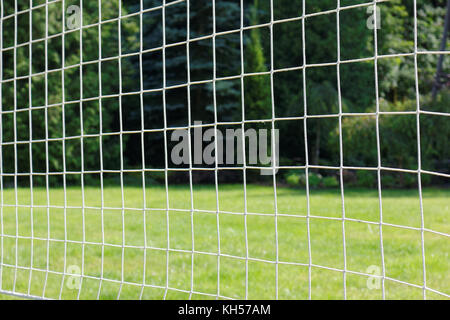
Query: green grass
[{"x": 402, "y": 247}]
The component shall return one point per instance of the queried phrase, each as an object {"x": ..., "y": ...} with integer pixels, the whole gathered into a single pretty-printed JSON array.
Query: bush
[
  {"x": 156, "y": 178},
  {"x": 330, "y": 182},
  {"x": 365, "y": 179},
  {"x": 315, "y": 180},
  {"x": 396, "y": 181},
  {"x": 389, "y": 181},
  {"x": 409, "y": 181},
  {"x": 293, "y": 179},
  {"x": 426, "y": 179}
]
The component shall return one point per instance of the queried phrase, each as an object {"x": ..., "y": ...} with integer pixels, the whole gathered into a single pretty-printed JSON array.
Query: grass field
[{"x": 402, "y": 246}]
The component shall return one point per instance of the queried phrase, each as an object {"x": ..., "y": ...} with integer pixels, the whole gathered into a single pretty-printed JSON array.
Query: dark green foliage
[
  {"x": 293, "y": 179},
  {"x": 257, "y": 88},
  {"x": 398, "y": 141},
  {"x": 314, "y": 180},
  {"x": 225, "y": 98},
  {"x": 366, "y": 179},
  {"x": 79, "y": 118},
  {"x": 330, "y": 182},
  {"x": 297, "y": 179}
]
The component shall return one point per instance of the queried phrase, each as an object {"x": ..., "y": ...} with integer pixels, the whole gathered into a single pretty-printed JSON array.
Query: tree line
[{"x": 83, "y": 65}]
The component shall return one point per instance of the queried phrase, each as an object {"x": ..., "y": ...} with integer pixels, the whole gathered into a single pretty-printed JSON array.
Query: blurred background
[{"x": 45, "y": 107}]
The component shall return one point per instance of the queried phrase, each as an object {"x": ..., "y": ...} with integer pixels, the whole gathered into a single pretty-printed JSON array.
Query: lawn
[{"x": 136, "y": 243}]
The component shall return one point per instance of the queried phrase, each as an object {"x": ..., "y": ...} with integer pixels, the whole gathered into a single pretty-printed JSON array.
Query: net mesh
[{"x": 62, "y": 237}]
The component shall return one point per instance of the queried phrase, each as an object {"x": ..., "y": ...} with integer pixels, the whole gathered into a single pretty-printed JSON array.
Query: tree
[
  {"x": 46, "y": 109},
  {"x": 200, "y": 67},
  {"x": 257, "y": 88}
]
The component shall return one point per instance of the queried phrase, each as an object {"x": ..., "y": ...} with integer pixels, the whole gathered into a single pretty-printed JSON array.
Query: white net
[{"x": 94, "y": 207}]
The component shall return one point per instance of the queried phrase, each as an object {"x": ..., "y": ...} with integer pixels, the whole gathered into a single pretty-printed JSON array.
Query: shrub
[
  {"x": 365, "y": 179},
  {"x": 409, "y": 181},
  {"x": 330, "y": 182},
  {"x": 389, "y": 181},
  {"x": 157, "y": 178},
  {"x": 293, "y": 179},
  {"x": 398, "y": 141},
  {"x": 314, "y": 179},
  {"x": 426, "y": 179}
]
